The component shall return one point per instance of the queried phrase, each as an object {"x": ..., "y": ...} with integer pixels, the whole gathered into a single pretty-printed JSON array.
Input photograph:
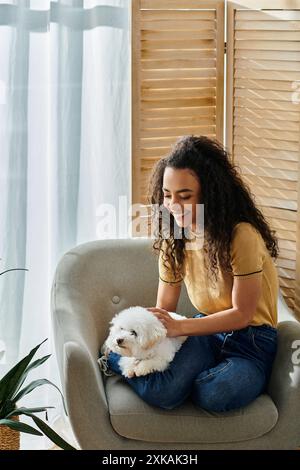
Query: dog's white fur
[{"x": 143, "y": 343}]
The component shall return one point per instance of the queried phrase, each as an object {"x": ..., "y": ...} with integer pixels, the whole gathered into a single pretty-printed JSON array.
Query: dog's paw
[
  {"x": 105, "y": 350},
  {"x": 127, "y": 365},
  {"x": 129, "y": 373},
  {"x": 142, "y": 368}
]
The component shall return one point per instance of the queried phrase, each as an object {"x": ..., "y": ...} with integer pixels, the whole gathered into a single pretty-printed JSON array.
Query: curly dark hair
[{"x": 226, "y": 197}]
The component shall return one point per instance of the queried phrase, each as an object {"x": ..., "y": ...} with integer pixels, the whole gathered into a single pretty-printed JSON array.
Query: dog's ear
[{"x": 157, "y": 333}]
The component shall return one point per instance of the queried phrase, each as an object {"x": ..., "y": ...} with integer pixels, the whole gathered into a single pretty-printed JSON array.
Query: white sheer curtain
[{"x": 65, "y": 149}]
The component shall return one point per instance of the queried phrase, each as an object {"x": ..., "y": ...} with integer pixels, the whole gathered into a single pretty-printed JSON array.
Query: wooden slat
[
  {"x": 165, "y": 94},
  {"x": 177, "y": 73},
  {"x": 179, "y": 83},
  {"x": 274, "y": 192},
  {"x": 267, "y": 25},
  {"x": 266, "y": 74},
  {"x": 178, "y": 122},
  {"x": 278, "y": 215},
  {"x": 271, "y": 15},
  {"x": 177, "y": 4},
  {"x": 261, "y": 64},
  {"x": 188, "y": 25},
  {"x": 267, "y": 124},
  {"x": 253, "y": 152},
  {"x": 182, "y": 15},
  {"x": 290, "y": 303},
  {"x": 184, "y": 35},
  {"x": 286, "y": 235},
  {"x": 288, "y": 283},
  {"x": 286, "y": 263},
  {"x": 267, "y": 143},
  {"x": 157, "y": 152},
  {"x": 180, "y": 63},
  {"x": 278, "y": 224},
  {"x": 288, "y": 292},
  {"x": 287, "y": 245},
  {"x": 268, "y": 55},
  {"x": 270, "y": 182},
  {"x": 178, "y": 44},
  {"x": 287, "y": 254},
  {"x": 264, "y": 94},
  {"x": 267, "y": 35},
  {"x": 177, "y": 131},
  {"x": 267, "y": 163},
  {"x": 163, "y": 141},
  {"x": 266, "y": 133},
  {"x": 274, "y": 202},
  {"x": 280, "y": 85},
  {"x": 180, "y": 103},
  {"x": 269, "y": 114},
  {"x": 180, "y": 112},
  {"x": 156, "y": 54},
  {"x": 267, "y": 45},
  {"x": 266, "y": 104},
  {"x": 286, "y": 273}
]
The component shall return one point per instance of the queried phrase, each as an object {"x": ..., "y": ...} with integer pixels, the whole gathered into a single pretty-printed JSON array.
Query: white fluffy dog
[{"x": 140, "y": 338}]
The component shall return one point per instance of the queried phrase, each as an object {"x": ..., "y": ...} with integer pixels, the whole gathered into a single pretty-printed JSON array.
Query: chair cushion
[{"x": 133, "y": 418}]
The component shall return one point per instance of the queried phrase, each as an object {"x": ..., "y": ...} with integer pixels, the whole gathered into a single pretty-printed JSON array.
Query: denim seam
[
  {"x": 258, "y": 334},
  {"x": 256, "y": 346},
  {"x": 229, "y": 363}
]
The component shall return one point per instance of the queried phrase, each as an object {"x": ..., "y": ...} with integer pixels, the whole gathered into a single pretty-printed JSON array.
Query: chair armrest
[
  {"x": 284, "y": 384},
  {"x": 86, "y": 399}
]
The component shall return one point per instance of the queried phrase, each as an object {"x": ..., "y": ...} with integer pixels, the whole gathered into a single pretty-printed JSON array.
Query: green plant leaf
[
  {"x": 53, "y": 436},
  {"x": 22, "y": 427},
  {"x": 22, "y": 410},
  {"x": 35, "y": 384},
  {"x": 10, "y": 382},
  {"x": 31, "y": 366},
  {"x": 7, "y": 407},
  {"x": 37, "y": 363}
]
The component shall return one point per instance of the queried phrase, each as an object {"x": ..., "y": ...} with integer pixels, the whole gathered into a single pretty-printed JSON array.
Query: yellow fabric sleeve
[{"x": 248, "y": 251}]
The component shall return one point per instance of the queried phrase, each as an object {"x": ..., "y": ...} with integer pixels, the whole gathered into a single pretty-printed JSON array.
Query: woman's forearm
[{"x": 219, "y": 322}]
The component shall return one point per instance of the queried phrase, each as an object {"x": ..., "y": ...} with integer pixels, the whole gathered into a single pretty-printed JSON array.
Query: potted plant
[{"x": 11, "y": 391}]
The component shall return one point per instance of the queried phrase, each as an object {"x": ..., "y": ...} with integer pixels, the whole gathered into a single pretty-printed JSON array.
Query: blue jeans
[{"x": 219, "y": 372}]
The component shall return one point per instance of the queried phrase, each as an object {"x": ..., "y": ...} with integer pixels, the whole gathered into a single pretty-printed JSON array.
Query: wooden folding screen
[{"x": 263, "y": 119}]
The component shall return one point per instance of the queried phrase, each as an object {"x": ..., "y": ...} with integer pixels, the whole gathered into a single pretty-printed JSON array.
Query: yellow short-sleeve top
[{"x": 249, "y": 258}]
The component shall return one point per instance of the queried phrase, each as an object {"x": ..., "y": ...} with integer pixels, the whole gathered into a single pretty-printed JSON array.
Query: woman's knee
[
  {"x": 221, "y": 403},
  {"x": 221, "y": 389},
  {"x": 217, "y": 399}
]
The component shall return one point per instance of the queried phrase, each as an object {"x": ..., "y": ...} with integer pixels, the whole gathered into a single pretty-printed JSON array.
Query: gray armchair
[{"x": 97, "y": 279}]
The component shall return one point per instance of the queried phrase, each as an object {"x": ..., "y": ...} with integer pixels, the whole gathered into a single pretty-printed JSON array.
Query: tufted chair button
[{"x": 116, "y": 299}]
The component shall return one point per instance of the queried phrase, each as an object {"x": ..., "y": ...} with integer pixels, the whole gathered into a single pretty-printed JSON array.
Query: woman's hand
[{"x": 172, "y": 326}]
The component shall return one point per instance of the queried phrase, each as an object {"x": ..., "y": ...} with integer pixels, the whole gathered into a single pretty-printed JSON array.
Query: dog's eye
[{"x": 133, "y": 333}]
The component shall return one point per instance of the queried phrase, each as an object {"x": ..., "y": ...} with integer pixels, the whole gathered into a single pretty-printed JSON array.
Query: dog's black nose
[{"x": 119, "y": 341}]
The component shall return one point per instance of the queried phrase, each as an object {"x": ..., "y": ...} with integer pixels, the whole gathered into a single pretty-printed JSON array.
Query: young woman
[{"x": 230, "y": 278}]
